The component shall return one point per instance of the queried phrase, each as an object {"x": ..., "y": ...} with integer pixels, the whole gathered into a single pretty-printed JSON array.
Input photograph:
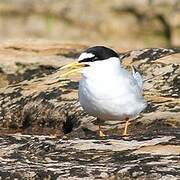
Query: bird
[{"x": 107, "y": 90}]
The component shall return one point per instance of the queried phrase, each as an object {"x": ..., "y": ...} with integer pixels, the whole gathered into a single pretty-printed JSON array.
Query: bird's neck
[{"x": 102, "y": 68}]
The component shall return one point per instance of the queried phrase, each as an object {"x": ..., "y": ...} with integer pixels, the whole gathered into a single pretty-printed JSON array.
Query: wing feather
[{"x": 137, "y": 76}]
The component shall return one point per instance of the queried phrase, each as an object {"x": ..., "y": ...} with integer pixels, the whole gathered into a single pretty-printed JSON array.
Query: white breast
[{"x": 109, "y": 92}]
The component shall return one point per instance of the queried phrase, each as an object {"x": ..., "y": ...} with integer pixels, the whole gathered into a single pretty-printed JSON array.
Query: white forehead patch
[{"x": 85, "y": 55}]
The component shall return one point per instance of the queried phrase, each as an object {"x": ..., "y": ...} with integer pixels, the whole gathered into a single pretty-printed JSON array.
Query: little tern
[{"x": 107, "y": 90}]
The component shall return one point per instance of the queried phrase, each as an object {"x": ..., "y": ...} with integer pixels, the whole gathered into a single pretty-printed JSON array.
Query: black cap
[{"x": 100, "y": 53}]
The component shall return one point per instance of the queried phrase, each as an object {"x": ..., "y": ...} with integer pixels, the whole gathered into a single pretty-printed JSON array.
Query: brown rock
[{"x": 46, "y": 104}]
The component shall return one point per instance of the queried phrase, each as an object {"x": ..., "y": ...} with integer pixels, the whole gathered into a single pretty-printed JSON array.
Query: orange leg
[
  {"x": 125, "y": 133},
  {"x": 100, "y": 132}
]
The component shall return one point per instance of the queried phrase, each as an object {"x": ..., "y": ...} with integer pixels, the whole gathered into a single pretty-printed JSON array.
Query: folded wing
[{"x": 137, "y": 77}]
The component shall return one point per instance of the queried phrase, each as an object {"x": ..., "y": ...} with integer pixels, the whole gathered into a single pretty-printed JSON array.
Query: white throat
[{"x": 102, "y": 68}]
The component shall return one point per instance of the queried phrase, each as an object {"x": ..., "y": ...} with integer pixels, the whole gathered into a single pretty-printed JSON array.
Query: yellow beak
[{"x": 72, "y": 68}]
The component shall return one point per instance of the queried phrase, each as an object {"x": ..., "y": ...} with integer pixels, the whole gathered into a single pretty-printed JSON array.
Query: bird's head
[{"x": 89, "y": 57}]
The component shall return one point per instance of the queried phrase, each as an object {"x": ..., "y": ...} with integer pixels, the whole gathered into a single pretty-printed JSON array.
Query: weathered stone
[
  {"x": 44, "y": 157},
  {"x": 43, "y": 103}
]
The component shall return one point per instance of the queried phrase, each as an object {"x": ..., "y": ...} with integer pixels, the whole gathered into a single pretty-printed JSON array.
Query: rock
[
  {"x": 21, "y": 60},
  {"x": 44, "y": 157},
  {"x": 43, "y": 103},
  {"x": 27, "y": 105}
]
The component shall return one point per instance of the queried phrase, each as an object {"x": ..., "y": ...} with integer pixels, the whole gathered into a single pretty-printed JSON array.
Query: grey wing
[{"x": 137, "y": 77}]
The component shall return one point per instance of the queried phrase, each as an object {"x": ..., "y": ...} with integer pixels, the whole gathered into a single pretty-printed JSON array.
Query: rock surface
[
  {"x": 35, "y": 100},
  {"x": 32, "y": 157}
]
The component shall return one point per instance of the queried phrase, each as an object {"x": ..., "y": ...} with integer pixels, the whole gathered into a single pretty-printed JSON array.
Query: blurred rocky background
[{"x": 127, "y": 24}]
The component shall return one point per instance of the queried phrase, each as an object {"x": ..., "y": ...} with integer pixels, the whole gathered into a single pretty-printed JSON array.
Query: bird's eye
[
  {"x": 89, "y": 59},
  {"x": 92, "y": 59},
  {"x": 95, "y": 59}
]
